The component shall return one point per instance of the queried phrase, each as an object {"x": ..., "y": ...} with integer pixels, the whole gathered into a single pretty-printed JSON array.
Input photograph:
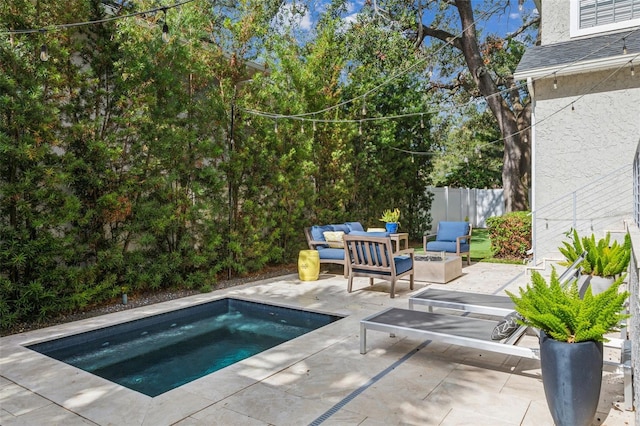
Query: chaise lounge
[
  {"x": 488, "y": 304},
  {"x": 457, "y": 329},
  {"x": 477, "y": 333}
]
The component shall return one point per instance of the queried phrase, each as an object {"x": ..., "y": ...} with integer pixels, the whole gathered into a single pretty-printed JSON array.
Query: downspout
[{"x": 532, "y": 197}]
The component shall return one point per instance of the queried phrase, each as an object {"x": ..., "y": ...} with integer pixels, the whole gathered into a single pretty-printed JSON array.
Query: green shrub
[{"x": 510, "y": 235}]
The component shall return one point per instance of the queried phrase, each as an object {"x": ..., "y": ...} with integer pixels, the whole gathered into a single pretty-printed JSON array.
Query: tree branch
[
  {"x": 445, "y": 36},
  {"x": 523, "y": 28}
]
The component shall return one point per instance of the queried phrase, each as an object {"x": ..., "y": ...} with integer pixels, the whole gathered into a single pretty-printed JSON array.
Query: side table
[{"x": 399, "y": 238}]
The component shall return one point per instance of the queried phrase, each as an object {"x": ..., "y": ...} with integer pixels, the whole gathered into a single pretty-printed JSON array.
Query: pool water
[{"x": 159, "y": 353}]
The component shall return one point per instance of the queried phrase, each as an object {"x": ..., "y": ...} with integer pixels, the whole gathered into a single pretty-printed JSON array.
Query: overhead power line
[{"x": 57, "y": 27}]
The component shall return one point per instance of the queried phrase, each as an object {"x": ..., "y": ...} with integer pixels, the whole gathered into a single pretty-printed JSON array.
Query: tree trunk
[{"x": 513, "y": 123}]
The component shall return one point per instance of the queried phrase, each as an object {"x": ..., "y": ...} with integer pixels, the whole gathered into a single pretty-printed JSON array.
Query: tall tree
[
  {"x": 469, "y": 156},
  {"x": 449, "y": 26}
]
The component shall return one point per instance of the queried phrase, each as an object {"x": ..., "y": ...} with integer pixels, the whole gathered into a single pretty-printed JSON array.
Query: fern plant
[
  {"x": 604, "y": 259},
  {"x": 564, "y": 316}
]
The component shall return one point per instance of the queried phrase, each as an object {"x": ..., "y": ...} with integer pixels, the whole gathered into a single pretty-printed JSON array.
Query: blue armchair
[{"x": 450, "y": 237}]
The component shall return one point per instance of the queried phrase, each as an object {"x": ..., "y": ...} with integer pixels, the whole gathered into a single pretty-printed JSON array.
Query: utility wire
[
  {"x": 301, "y": 117},
  {"x": 99, "y": 21},
  {"x": 623, "y": 36},
  {"x": 382, "y": 84},
  {"x": 543, "y": 119}
]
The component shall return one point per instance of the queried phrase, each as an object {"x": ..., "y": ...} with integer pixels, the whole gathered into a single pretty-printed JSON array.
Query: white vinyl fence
[{"x": 462, "y": 204}]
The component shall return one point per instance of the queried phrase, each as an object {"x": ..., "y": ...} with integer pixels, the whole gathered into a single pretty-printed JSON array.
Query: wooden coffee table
[{"x": 431, "y": 268}]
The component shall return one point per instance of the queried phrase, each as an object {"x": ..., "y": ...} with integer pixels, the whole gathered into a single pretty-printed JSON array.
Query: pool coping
[{"x": 83, "y": 393}]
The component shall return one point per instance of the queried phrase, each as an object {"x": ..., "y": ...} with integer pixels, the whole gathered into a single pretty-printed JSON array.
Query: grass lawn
[{"x": 480, "y": 244}]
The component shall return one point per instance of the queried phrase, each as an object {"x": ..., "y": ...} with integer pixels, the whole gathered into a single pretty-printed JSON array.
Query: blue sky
[{"x": 499, "y": 23}]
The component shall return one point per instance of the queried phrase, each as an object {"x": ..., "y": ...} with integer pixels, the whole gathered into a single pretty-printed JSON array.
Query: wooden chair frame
[{"x": 373, "y": 257}]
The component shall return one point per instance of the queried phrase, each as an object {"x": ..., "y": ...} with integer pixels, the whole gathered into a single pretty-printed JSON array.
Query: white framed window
[{"x": 597, "y": 16}]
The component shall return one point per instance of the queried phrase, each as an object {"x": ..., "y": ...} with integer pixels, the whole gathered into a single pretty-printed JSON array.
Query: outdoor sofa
[{"x": 327, "y": 239}]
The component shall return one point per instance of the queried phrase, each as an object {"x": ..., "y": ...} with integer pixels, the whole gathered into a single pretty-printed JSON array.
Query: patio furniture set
[{"x": 441, "y": 262}]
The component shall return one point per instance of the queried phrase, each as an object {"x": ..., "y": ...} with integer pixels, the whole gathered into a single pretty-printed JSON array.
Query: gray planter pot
[
  {"x": 600, "y": 284},
  {"x": 572, "y": 377}
]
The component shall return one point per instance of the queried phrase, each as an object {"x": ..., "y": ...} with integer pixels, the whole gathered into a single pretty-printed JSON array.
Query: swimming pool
[{"x": 156, "y": 354}]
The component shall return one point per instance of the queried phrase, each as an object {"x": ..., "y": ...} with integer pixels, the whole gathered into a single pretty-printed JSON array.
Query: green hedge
[{"x": 142, "y": 168}]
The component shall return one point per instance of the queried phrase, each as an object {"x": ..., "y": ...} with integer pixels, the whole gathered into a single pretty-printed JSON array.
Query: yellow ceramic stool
[{"x": 309, "y": 265}]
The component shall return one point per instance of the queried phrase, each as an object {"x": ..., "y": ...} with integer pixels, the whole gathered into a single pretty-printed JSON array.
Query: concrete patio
[{"x": 318, "y": 378}]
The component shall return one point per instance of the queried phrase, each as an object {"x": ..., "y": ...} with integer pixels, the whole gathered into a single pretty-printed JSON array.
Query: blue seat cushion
[
  {"x": 448, "y": 246},
  {"x": 340, "y": 227},
  {"x": 449, "y": 231},
  {"x": 354, "y": 226},
  {"x": 317, "y": 233},
  {"x": 331, "y": 253},
  {"x": 369, "y": 234},
  {"x": 403, "y": 264}
]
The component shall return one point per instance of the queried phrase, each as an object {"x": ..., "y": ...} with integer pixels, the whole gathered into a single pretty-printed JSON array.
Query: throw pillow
[
  {"x": 334, "y": 238},
  {"x": 506, "y": 327}
]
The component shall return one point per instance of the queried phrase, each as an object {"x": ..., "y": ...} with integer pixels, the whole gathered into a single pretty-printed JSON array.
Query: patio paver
[{"x": 318, "y": 378}]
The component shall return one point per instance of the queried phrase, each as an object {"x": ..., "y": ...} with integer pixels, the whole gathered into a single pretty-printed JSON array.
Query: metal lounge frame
[
  {"x": 456, "y": 329},
  {"x": 453, "y": 329},
  {"x": 488, "y": 304}
]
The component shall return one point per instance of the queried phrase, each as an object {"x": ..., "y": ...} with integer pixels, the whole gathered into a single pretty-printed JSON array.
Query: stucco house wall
[
  {"x": 585, "y": 130},
  {"x": 585, "y": 140},
  {"x": 585, "y": 125},
  {"x": 555, "y": 18}
]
